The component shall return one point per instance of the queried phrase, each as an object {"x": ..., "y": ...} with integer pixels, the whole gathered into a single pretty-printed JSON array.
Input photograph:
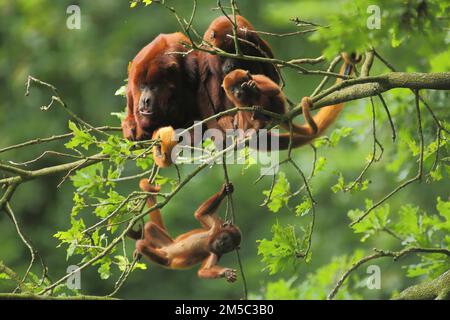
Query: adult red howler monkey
[
  {"x": 205, "y": 245},
  {"x": 246, "y": 90},
  {"x": 161, "y": 88},
  {"x": 213, "y": 68}
]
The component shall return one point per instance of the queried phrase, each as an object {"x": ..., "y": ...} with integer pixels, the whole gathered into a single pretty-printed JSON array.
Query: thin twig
[
  {"x": 391, "y": 123},
  {"x": 27, "y": 243},
  {"x": 418, "y": 177},
  {"x": 56, "y": 137},
  {"x": 233, "y": 216},
  {"x": 373, "y": 158},
  {"x": 58, "y": 99}
]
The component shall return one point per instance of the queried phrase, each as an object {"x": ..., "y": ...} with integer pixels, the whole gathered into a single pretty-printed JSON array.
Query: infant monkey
[{"x": 204, "y": 245}]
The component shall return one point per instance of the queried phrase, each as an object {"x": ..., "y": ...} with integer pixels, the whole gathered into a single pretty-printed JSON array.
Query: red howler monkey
[
  {"x": 213, "y": 68},
  {"x": 246, "y": 90},
  {"x": 205, "y": 245},
  {"x": 161, "y": 88}
]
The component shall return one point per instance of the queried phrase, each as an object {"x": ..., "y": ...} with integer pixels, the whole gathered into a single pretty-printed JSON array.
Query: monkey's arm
[
  {"x": 266, "y": 85},
  {"x": 206, "y": 212},
  {"x": 210, "y": 270},
  {"x": 129, "y": 123}
]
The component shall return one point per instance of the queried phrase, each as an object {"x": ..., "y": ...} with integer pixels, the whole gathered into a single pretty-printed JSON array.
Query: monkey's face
[
  {"x": 239, "y": 86},
  {"x": 225, "y": 241},
  {"x": 159, "y": 97},
  {"x": 148, "y": 105}
]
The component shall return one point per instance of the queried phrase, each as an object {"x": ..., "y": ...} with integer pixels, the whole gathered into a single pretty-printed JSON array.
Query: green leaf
[
  {"x": 338, "y": 134},
  {"x": 4, "y": 276},
  {"x": 122, "y": 91},
  {"x": 376, "y": 221},
  {"x": 280, "y": 252},
  {"x": 80, "y": 138},
  {"x": 320, "y": 164},
  {"x": 304, "y": 208},
  {"x": 79, "y": 204},
  {"x": 105, "y": 269},
  {"x": 317, "y": 285},
  {"x": 89, "y": 180},
  {"x": 443, "y": 207},
  {"x": 117, "y": 149},
  {"x": 281, "y": 290},
  {"x": 280, "y": 193},
  {"x": 340, "y": 185},
  {"x": 144, "y": 162}
]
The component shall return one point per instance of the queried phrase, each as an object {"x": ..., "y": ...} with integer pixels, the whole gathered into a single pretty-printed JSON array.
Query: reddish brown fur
[
  {"x": 204, "y": 245},
  {"x": 162, "y": 152},
  {"x": 246, "y": 90},
  {"x": 173, "y": 82},
  {"x": 213, "y": 68}
]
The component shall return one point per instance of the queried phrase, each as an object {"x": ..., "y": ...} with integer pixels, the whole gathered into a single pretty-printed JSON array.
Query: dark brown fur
[{"x": 161, "y": 88}]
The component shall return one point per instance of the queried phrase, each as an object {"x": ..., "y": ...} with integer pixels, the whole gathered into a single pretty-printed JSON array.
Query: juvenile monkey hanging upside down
[{"x": 204, "y": 245}]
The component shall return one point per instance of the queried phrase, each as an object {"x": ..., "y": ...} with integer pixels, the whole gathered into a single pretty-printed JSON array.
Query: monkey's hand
[
  {"x": 230, "y": 275},
  {"x": 259, "y": 115},
  {"x": 250, "y": 86},
  {"x": 137, "y": 255},
  {"x": 227, "y": 224},
  {"x": 228, "y": 188},
  {"x": 129, "y": 129}
]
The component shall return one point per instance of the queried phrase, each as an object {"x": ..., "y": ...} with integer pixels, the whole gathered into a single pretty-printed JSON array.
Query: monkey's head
[
  {"x": 160, "y": 94},
  {"x": 226, "y": 240},
  {"x": 162, "y": 152},
  {"x": 220, "y": 31},
  {"x": 240, "y": 87}
]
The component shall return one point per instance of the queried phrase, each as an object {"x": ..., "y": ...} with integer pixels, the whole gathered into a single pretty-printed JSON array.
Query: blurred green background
[{"x": 88, "y": 65}]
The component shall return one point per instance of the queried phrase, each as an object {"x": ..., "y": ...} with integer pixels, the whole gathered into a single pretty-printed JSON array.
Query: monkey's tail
[
  {"x": 316, "y": 126},
  {"x": 327, "y": 115},
  {"x": 155, "y": 215}
]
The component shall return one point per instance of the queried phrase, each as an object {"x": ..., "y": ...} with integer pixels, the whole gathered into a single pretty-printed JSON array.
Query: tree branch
[
  {"x": 384, "y": 253},
  {"x": 437, "y": 289},
  {"x": 354, "y": 89}
]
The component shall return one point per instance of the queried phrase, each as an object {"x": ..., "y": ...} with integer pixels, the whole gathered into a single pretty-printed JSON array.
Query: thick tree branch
[
  {"x": 354, "y": 89},
  {"x": 383, "y": 253},
  {"x": 30, "y": 296},
  {"x": 437, "y": 289}
]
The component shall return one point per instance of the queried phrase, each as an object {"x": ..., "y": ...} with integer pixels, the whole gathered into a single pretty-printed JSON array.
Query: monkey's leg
[
  {"x": 205, "y": 213},
  {"x": 156, "y": 236},
  {"x": 152, "y": 253}
]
